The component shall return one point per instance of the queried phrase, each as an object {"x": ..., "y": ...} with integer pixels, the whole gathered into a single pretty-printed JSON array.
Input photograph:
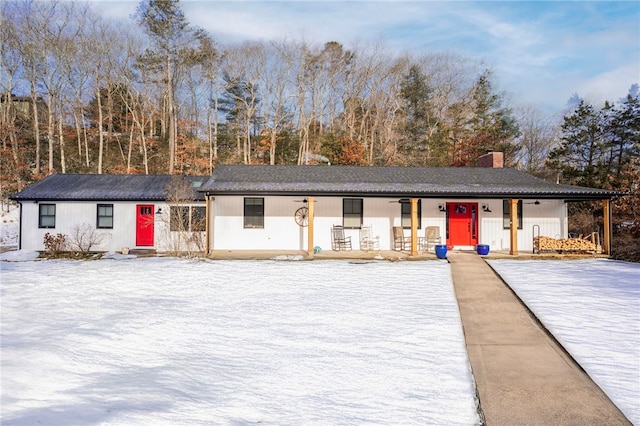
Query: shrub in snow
[
  {"x": 84, "y": 237},
  {"x": 55, "y": 244}
]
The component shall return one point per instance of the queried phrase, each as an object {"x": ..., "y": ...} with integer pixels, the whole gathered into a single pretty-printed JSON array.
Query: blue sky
[{"x": 541, "y": 52}]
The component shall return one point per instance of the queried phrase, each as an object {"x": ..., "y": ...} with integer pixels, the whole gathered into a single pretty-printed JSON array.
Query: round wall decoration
[{"x": 302, "y": 216}]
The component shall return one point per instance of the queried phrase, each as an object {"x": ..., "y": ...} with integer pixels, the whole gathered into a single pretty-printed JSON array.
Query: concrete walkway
[{"x": 523, "y": 376}]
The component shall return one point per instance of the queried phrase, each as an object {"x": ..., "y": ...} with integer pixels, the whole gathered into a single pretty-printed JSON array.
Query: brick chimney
[{"x": 492, "y": 159}]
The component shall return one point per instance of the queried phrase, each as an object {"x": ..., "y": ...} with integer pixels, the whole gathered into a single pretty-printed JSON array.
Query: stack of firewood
[{"x": 568, "y": 244}]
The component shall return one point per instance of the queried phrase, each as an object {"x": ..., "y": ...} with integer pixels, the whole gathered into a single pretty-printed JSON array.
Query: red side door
[
  {"x": 462, "y": 224},
  {"x": 144, "y": 224}
]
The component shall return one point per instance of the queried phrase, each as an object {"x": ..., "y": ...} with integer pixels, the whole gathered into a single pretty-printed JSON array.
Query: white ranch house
[
  {"x": 127, "y": 211},
  {"x": 253, "y": 207}
]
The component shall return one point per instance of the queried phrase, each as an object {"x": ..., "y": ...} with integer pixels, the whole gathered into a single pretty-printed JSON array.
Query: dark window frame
[
  {"x": 101, "y": 217},
  {"x": 253, "y": 213},
  {"x": 185, "y": 218},
  {"x": 48, "y": 214},
  {"x": 178, "y": 218},
  {"x": 405, "y": 213},
  {"x": 506, "y": 214},
  {"x": 352, "y": 211},
  {"x": 198, "y": 220}
]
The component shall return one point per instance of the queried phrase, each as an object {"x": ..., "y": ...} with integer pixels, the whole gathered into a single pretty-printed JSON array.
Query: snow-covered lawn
[
  {"x": 9, "y": 225},
  {"x": 170, "y": 341},
  {"x": 593, "y": 308}
]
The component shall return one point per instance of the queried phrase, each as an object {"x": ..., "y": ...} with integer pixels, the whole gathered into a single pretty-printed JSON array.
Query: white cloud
[
  {"x": 610, "y": 85},
  {"x": 539, "y": 50}
]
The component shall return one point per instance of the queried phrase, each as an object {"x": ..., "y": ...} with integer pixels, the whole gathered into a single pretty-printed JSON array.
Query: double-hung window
[
  {"x": 352, "y": 212},
  {"x": 47, "y": 216},
  {"x": 105, "y": 216},
  {"x": 198, "y": 219},
  {"x": 254, "y": 212},
  {"x": 179, "y": 218},
  {"x": 506, "y": 215},
  {"x": 405, "y": 213}
]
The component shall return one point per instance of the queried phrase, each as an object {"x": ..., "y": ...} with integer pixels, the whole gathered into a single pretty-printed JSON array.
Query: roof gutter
[{"x": 450, "y": 195}]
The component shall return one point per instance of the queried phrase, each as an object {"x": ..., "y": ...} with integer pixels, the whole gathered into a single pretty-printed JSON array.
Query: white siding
[
  {"x": 69, "y": 215},
  {"x": 280, "y": 231},
  {"x": 549, "y": 215}
]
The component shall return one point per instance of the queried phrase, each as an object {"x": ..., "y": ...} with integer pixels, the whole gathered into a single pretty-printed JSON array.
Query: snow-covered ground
[
  {"x": 169, "y": 341},
  {"x": 592, "y": 307},
  {"x": 9, "y": 225}
]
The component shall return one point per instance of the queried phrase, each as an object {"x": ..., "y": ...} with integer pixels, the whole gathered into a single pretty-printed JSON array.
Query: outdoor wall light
[
  {"x": 485, "y": 208},
  {"x": 159, "y": 210},
  {"x": 442, "y": 207}
]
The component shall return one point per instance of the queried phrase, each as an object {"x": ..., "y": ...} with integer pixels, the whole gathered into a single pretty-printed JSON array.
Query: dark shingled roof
[
  {"x": 424, "y": 182},
  {"x": 92, "y": 187}
]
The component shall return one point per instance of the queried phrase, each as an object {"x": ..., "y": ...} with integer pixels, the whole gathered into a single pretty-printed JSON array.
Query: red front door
[
  {"x": 462, "y": 224},
  {"x": 144, "y": 224}
]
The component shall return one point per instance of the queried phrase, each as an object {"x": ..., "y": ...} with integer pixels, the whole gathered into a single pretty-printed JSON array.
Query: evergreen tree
[
  {"x": 420, "y": 129},
  {"x": 598, "y": 147},
  {"x": 173, "y": 39},
  {"x": 490, "y": 125}
]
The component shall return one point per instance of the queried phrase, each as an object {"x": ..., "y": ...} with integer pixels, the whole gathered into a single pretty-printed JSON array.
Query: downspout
[{"x": 20, "y": 227}]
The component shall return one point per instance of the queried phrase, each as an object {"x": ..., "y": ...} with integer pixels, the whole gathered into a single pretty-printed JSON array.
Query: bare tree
[
  {"x": 173, "y": 38},
  {"x": 243, "y": 70},
  {"x": 85, "y": 237},
  {"x": 186, "y": 219},
  {"x": 277, "y": 90},
  {"x": 9, "y": 67},
  {"x": 539, "y": 135}
]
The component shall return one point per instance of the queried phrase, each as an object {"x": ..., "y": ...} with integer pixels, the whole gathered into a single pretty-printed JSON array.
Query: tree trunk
[
  {"x": 130, "y": 148},
  {"x": 86, "y": 142},
  {"x": 76, "y": 122},
  {"x": 36, "y": 127},
  {"x": 272, "y": 146},
  {"x": 63, "y": 161},
  {"x": 172, "y": 118},
  {"x": 50, "y": 132},
  {"x": 100, "y": 135}
]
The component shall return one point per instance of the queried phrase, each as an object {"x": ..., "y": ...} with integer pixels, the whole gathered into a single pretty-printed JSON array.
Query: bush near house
[{"x": 58, "y": 246}]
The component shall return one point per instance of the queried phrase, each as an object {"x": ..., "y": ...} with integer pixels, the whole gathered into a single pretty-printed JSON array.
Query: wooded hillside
[{"x": 80, "y": 94}]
